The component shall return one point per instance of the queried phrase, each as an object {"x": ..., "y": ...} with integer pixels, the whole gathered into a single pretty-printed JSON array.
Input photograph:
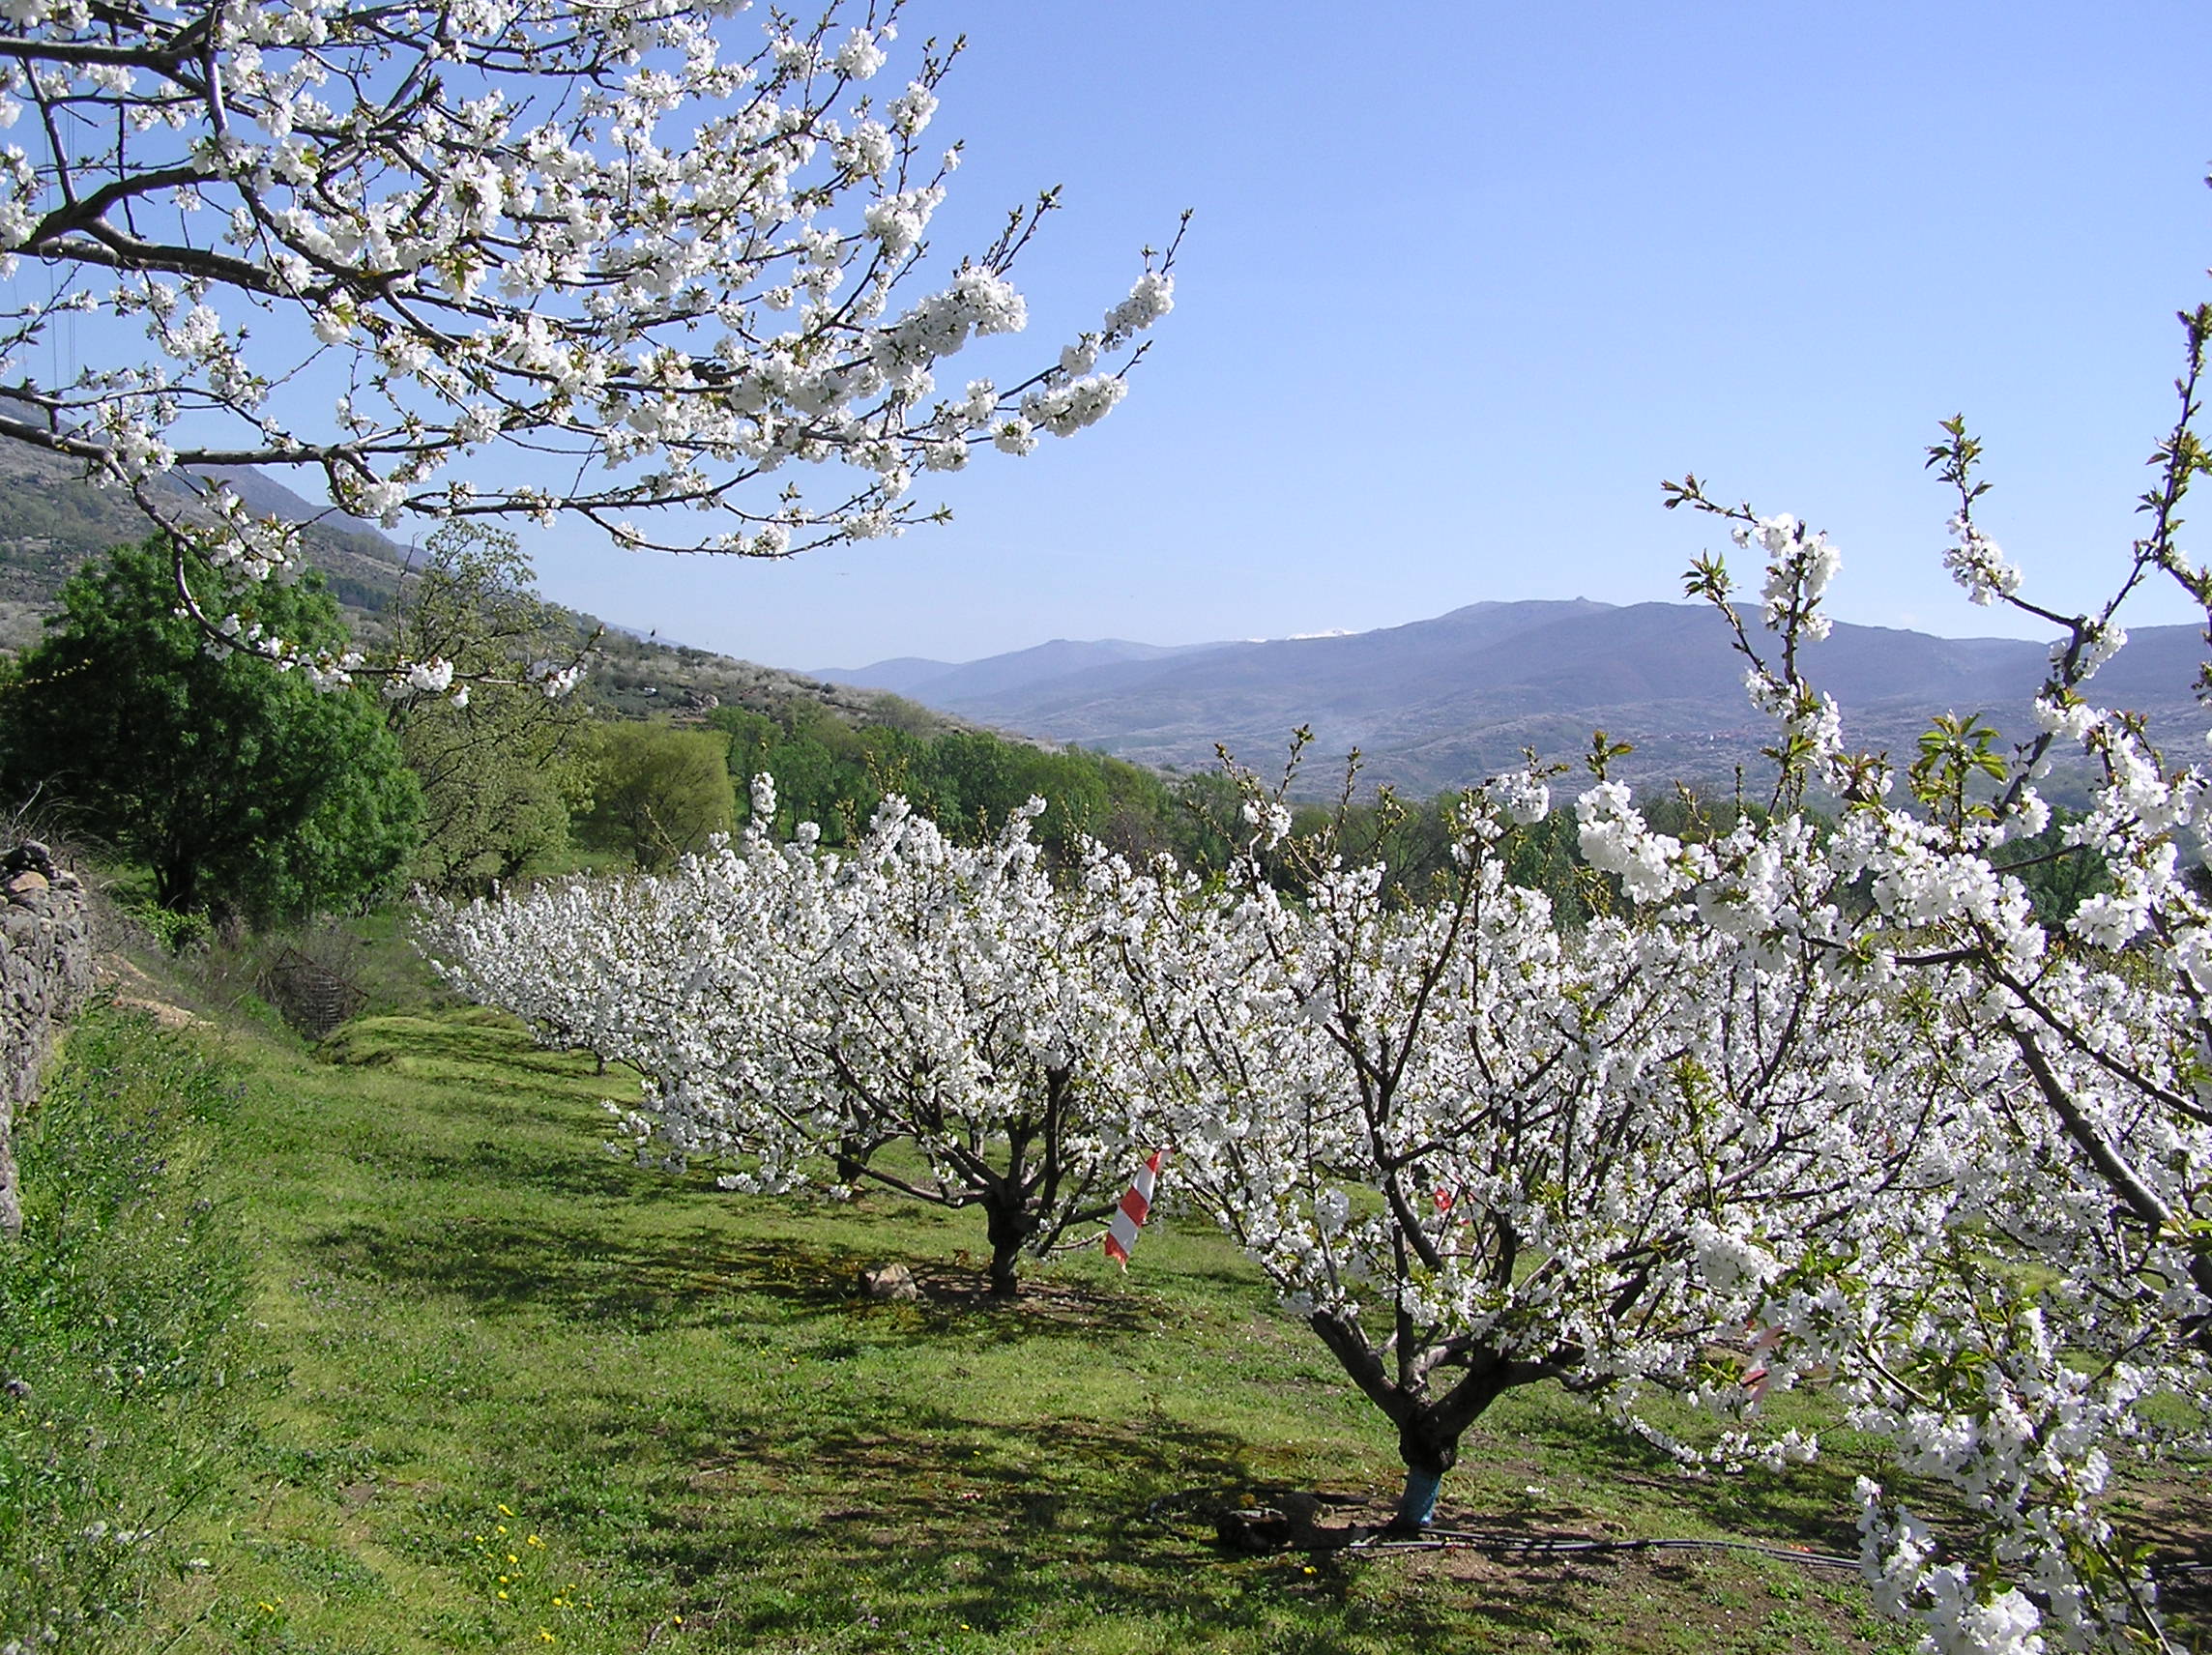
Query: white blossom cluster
[
  {"x": 1801, "y": 563},
  {"x": 2012, "y": 1367},
  {"x": 666, "y": 254},
  {"x": 1975, "y": 563},
  {"x": 790, "y": 1004}
]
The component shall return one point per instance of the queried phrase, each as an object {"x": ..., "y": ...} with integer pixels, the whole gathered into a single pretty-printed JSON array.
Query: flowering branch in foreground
[
  {"x": 2079, "y": 1283},
  {"x": 632, "y": 260}
]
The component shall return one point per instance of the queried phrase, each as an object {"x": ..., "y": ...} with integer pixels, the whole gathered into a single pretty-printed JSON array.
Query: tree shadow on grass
[
  {"x": 930, "y": 1516},
  {"x": 585, "y": 1274},
  {"x": 933, "y": 1515},
  {"x": 499, "y": 1046},
  {"x": 2167, "y": 1511},
  {"x": 1810, "y": 1508},
  {"x": 702, "y": 1277},
  {"x": 584, "y": 1170}
]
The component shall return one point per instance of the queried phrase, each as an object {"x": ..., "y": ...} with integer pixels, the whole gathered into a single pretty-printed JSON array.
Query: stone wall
[{"x": 45, "y": 968}]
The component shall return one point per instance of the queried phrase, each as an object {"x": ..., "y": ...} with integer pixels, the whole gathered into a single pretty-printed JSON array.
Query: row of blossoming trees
[{"x": 1814, "y": 1103}]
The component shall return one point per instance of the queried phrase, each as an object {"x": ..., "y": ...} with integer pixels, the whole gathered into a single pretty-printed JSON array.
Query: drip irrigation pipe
[
  {"x": 1554, "y": 1546},
  {"x": 1515, "y": 1546},
  {"x": 1384, "y": 1539},
  {"x": 1509, "y": 1545}
]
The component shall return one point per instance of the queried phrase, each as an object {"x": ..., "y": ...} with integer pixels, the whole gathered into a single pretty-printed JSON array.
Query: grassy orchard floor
[
  {"x": 538, "y": 1395},
  {"x": 683, "y": 1411}
]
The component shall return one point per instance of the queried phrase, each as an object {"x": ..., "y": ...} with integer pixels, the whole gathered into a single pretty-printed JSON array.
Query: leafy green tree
[
  {"x": 657, "y": 792},
  {"x": 503, "y": 766},
  {"x": 752, "y": 736},
  {"x": 979, "y": 778},
  {"x": 244, "y": 788}
]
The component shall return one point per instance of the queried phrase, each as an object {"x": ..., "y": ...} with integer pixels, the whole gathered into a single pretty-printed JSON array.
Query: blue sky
[{"x": 1467, "y": 281}]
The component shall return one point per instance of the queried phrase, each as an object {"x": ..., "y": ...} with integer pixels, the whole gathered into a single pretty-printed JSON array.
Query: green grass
[
  {"x": 670, "y": 1408},
  {"x": 126, "y": 1399}
]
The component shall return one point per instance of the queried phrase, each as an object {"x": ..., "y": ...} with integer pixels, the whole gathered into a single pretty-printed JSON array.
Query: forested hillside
[
  {"x": 51, "y": 521},
  {"x": 653, "y": 751}
]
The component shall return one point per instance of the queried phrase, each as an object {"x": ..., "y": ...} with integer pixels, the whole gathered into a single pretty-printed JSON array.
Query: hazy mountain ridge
[
  {"x": 51, "y": 521},
  {"x": 1443, "y": 702},
  {"x": 1054, "y": 661},
  {"x": 1432, "y": 703}
]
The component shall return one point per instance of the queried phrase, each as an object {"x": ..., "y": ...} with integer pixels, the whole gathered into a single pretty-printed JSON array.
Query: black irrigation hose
[
  {"x": 1514, "y": 1545},
  {"x": 1511, "y": 1545},
  {"x": 1553, "y": 1545}
]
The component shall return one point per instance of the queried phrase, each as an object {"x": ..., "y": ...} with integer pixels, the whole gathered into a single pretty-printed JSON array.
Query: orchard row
[{"x": 1815, "y": 1100}]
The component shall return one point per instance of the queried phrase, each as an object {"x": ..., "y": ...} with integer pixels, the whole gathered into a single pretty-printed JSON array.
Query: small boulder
[
  {"x": 20, "y": 886},
  {"x": 889, "y": 1282}
]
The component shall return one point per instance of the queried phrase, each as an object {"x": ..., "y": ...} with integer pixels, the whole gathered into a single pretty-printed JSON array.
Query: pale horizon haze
[{"x": 1465, "y": 283}]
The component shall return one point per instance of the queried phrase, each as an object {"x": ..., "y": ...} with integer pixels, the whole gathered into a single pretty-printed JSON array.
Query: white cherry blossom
[{"x": 634, "y": 260}]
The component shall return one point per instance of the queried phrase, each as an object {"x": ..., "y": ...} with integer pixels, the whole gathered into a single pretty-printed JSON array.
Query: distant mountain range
[
  {"x": 1002, "y": 675},
  {"x": 1445, "y": 702},
  {"x": 1433, "y": 705}
]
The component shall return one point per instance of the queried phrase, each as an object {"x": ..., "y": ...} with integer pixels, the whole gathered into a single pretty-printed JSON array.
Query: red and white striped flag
[
  {"x": 1136, "y": 1202},
  {"x": 1756, "y": 1373}
]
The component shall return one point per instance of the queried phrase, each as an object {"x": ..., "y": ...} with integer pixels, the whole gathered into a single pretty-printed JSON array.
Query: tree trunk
[
  {"x": 853, "y": 1153},
  {"x": 1428, "y": 1453},
  {"x": 1429, "y": 1428},
  {"x": 174, "y": 885},
  {"x": 1009, "y": 1225}
]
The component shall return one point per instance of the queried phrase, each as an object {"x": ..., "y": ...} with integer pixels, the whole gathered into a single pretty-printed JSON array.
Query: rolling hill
[{"x": 51, "y": 521}]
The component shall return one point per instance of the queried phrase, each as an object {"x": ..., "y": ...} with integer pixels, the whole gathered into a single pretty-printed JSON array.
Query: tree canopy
[
  {"x": 657, "y": 792},
  {"x": 502, "y": 764},
  {"x": 243, "y": 789}
]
